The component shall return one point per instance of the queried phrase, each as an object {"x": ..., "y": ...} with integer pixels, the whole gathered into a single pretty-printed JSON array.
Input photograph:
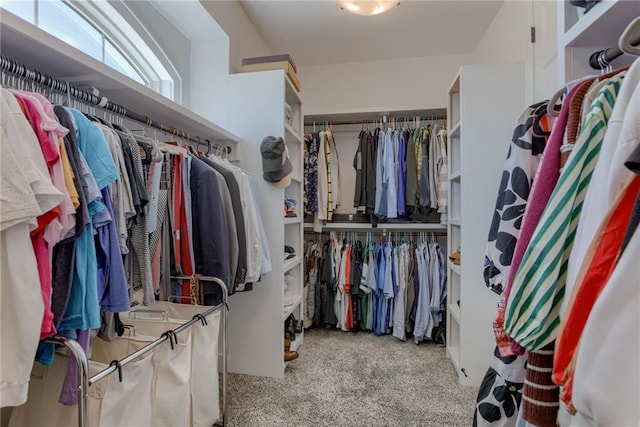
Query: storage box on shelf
[
  {"x": 484, "y": 102},
  {"x": 598, "y": 29},
  {"x": 256, "y": 319}
]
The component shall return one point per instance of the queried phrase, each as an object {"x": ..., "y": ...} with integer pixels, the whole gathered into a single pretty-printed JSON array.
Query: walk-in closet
[{"x": 319, "y": 213}]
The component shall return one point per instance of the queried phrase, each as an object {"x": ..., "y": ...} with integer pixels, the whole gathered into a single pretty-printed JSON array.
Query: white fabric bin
[{"x": 205, "y": 406}]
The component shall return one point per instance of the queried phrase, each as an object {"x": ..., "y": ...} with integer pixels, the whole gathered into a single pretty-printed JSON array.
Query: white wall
[
  {"x": 245, "y": 40},
  {"x": 399, "y": 84},
  {"x": 154, "y": 29},
  {"x": 507, "y": 38}
]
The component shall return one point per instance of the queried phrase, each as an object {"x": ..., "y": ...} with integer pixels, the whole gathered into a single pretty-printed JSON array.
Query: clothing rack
[
  {"x": 28, "y": 74},
  {"x": 602, "y": 59},
  {"x": 116, "y": 366}
]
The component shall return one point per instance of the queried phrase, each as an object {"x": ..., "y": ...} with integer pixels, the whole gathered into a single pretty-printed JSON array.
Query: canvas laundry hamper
[
  {"x": 205, "y": 406},
  {"x": 170, "y": 390},
  {"x": 109, "y": 402}
]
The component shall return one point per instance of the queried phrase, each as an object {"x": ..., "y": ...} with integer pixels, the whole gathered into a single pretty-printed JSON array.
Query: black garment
[
  {"x": 425, "y": 189},
  {"x": 210, "y": 241},
  {"x": 137, "y": 183},
  {"x": 327, "y": 295},
  {"x": 360, "y": 195},
  {"x": 369, "y": 175},
  {"x": 412, "y": 175},
  {"x": 236, "y": 201}
]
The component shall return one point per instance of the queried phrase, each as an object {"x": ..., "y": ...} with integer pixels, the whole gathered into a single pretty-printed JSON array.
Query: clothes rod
[
  {"x": 384, "y": 227},
  {"x": 360, "y": 122},
  {"x": 27, "y": 74},
  {"x": 602, "y": 59}
]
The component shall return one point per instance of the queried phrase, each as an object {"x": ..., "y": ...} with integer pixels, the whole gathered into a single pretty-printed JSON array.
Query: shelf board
[
  {"x": 292, "y": 96},
  {"x": 291, "y": 308},
  {"x": 454, "y": 310},
  {"x": 602, "y": 25},
  {"x": 454, "y": 268},
  {"x": 455, "y": 222},
  {"x": 362, "y": 226},
  {"x": 297, "y": 179},
  {"x": 455, "y": 176},
  {"x": 291, "y": 263},
  {"x": 355, "y": 117},
  {"x": 291, "y": 131},
  {"x": 37, "y": 49},
  {"x": 455, "y": 130},
  {"x": 294, "y": 220}
]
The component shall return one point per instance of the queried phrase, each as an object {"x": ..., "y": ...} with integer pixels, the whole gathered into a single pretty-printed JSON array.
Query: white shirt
[
  {"x": 609, "y": 175},
  {"x": 606, "y": 388},
  {"x": 26, "y": 191}
]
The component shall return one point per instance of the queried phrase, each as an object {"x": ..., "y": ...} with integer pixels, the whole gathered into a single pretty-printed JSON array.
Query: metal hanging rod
[
  {"x": 27, "y": 74},
  {"x": 380, "y": 228},
  {"x": 602, "y": 59},
  {"x": 365, "y": 121}
]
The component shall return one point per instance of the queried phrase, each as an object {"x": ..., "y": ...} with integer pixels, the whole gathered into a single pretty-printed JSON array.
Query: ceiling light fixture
[{"x": 368, "y": 7}]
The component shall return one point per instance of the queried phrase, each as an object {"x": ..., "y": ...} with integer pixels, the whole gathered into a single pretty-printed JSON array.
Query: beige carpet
[{"x": 345, "y": 379}]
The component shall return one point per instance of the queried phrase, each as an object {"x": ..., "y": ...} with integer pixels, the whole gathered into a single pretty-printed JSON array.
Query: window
[{"x": 97, "y": 29}]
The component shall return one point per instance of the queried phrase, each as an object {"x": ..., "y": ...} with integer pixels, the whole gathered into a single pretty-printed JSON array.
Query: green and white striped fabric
[{"x": 532, "y": 317}]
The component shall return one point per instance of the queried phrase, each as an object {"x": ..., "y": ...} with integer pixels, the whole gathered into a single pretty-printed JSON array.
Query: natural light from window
[{"x": 97, "y": 29}]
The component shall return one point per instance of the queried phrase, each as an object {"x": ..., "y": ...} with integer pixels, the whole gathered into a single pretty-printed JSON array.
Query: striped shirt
[{"x": 532, "y": 316}]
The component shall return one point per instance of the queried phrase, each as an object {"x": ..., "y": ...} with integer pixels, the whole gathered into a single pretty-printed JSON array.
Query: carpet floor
[{"x": 345, "y": 379}]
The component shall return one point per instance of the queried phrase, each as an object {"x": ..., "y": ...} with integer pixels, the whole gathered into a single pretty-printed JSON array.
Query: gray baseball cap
[{"x": 272, "y": 150}]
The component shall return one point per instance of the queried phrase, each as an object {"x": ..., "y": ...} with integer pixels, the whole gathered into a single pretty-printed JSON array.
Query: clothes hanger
[
  {"x": 551, "y": 106},
  {"x": 624, "y": 43}
]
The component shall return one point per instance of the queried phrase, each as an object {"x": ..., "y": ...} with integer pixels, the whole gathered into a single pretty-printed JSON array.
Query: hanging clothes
[
  {"x": 369, "y": 284},
  {"x": 568, "y": 259},
  {"x": 96, "y": 225}
]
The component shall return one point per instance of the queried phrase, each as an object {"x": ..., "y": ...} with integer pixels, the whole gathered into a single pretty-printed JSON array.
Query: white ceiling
[{"x": 319, "y": 32}]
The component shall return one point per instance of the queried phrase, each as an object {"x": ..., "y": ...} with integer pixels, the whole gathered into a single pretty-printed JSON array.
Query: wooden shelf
[
  {"x": 454, "y": 310},
  {"x": 40, "y": 50},
  {"x": 289, "y": 264},
  {"x": 292, "y": 132},
  {"x": 294, "y": 220},
  {"x": 291, "y": 308},
  {"x": 455, "y": 130}
]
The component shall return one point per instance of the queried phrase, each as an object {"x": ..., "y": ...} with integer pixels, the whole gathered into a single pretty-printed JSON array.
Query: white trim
[
  {"x": 535, "y": 368},
  {"x": 539, "y": 403},
  {"x": 540, "y": 386}
]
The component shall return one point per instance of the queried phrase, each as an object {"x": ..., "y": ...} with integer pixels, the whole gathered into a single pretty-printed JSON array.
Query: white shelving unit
[
  {"x": 256, "y": 327},
  {"x": 600, "y": 28},
  {"x": 484, "y": 102}
]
